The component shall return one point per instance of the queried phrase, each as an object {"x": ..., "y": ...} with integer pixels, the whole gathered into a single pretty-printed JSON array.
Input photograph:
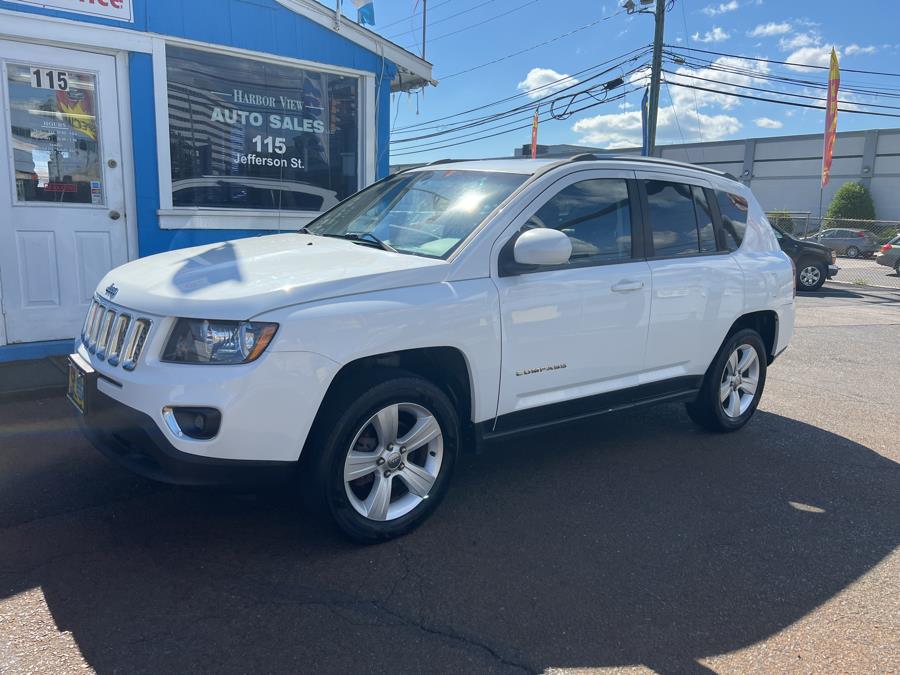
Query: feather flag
[
  {"x": 534, "y": 128},
  {"x": 831, "y": 115},
  {"x": 365, "y": 12}
]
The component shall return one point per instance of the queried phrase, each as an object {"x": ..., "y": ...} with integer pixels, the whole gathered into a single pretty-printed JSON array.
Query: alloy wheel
[
  {"x": 393, "y": 461},
  {"x": 740, "y": 379},
  {"x": 852, "y": 252},
  {"x": 810, "y": 276}
]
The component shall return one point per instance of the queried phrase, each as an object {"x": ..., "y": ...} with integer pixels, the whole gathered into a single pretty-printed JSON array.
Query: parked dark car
[
  {"x": 814, "y": 262},
  {"x": 889, "y": 255},
  {"x": 848, "y": 242}
]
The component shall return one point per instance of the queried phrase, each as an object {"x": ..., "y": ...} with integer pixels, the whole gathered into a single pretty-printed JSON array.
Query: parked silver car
[
  {"x": 889, "y": 255},
  {"x": 848, "y": 242}
]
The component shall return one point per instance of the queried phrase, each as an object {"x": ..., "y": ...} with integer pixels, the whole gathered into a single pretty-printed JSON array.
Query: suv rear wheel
[
  {"x": 733, "y": 384},
  {"x": 382, "y": 465},
  {"x": 810, "y": 275},
  {"x": 852, "y": 252}
]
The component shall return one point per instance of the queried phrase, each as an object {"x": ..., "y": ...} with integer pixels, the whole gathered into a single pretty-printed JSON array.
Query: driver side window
[{"x": 596, "y": 216}]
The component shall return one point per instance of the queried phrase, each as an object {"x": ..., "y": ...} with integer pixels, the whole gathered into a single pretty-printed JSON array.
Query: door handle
[{"x": 626, "y": 286}]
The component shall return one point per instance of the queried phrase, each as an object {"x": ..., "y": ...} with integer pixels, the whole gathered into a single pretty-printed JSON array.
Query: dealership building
[{"x": 131, "y": 127}]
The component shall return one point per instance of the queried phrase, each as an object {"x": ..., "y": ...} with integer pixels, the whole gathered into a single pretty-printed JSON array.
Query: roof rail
[
  {"x": 446, "y": 160},
  {"x": 591, "y": 157}
]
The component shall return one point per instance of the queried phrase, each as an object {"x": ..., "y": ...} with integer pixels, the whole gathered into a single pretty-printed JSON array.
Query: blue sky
[{"x": 466, "y": 33}]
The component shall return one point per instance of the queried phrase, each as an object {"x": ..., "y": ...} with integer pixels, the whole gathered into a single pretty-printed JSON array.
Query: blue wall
[{"x": 258, "y": 25}]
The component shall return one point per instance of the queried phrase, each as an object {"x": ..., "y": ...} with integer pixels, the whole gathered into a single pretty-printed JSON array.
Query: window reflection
[{"x": 55, "y": 135}]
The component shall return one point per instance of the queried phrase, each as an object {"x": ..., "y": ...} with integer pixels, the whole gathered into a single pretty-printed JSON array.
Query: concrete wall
[{"x": 785, "y": 171}]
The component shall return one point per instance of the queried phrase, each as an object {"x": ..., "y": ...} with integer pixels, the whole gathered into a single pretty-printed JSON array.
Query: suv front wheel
[
  {"x": 382, "y": 463},
  {"x": 733, "y": 384}
]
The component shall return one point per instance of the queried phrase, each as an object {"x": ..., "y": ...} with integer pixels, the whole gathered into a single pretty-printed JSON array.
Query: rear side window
[
  {"x": 673, "y": 218},
  {"x": 734, "y": 219},
  {"x": 595, "y": 215}
]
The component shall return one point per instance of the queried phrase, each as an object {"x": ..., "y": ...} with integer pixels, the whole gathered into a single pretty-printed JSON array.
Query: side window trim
[
  {"x": 717, "y": 220},
  {"x": 507, "y": 269}
]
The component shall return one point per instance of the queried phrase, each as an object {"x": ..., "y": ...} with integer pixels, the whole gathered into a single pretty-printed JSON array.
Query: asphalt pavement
[{"x": 637, "y": 542}]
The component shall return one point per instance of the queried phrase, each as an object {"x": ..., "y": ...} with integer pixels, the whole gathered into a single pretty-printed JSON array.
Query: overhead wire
[
  {"x": 532, "y": 47},
  {"x": 556, "y": 95},
  {"x": 432, "y": 122}
]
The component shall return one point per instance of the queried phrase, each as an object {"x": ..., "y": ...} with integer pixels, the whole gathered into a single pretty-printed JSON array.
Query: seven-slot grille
[{"x": 114, "y": 335}]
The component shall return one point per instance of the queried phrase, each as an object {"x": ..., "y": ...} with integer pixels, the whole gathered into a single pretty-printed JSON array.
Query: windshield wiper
[{"x": 369, "y": 239}]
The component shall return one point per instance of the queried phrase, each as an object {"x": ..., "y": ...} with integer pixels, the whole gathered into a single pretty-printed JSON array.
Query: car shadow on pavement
[{"x": 636, "y": 539}]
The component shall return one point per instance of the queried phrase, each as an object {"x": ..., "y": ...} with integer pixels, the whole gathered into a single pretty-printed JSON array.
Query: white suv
[{"x": 437, "y": 310}]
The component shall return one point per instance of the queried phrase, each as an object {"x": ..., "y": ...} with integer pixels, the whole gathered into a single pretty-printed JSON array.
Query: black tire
[
  {"x": 707, "y": 409},
  {"x": 322, "y": 470},
  {"x": 852, "y": 252},
  {"x": 802, "y": 274}
]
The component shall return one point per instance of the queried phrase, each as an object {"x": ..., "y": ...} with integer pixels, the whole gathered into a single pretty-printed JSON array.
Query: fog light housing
[{"x": 201, "y": 424}]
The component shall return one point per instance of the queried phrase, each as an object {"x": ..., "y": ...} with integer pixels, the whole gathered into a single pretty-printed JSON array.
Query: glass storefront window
[
  {"x": 55, "y": 131},
  {"x": 249, "y": 134}
]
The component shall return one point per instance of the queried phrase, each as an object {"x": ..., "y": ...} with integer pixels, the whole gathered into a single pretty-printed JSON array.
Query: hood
[{"x": 242, "y": 278}]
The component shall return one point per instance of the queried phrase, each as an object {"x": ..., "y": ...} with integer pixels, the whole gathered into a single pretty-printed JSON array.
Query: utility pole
[
  {"x": 656, "y": 73},
  {"x": 424, "y": 24}
]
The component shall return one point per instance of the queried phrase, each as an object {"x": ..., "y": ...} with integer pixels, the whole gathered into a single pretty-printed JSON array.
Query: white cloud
[
  {"x": 722, "y": 8},
  {"x": 714, "y": 35},
  {"x": 770, "y": 29},
  {"x": 811, "y": 56},
  {"x": 799, "y": 40},
  {"x": 854, "y": 48},
  {"x": 767, "y": 123},
  {"x": 545, "y": 81},
  {"x": 622, "y": 130},
  {"x": 723, "y": 81}
]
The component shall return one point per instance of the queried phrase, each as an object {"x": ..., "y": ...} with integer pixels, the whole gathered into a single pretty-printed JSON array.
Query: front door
[
  {"x": 577, "y": 330},
  {"x": 62, "y": 216}
]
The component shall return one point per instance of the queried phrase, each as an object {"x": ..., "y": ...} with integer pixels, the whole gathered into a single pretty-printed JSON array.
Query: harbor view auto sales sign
[{"x": 121, "y": 10}]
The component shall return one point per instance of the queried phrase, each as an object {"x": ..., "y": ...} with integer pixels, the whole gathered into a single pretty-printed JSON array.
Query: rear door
[{"x": 698, "y": 288}]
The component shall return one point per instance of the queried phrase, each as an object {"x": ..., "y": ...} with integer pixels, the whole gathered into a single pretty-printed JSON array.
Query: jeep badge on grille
[{"x": 111, "y": 291}]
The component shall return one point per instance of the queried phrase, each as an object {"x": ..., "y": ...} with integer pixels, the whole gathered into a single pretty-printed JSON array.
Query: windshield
[{"x": 425, "y": 213}]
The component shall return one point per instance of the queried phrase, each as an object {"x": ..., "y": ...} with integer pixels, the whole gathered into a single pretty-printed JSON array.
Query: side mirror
[{"x": 542, "y": 246}]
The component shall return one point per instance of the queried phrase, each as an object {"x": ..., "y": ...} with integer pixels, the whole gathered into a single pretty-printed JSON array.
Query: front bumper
[{"x": 132, "y": 439}]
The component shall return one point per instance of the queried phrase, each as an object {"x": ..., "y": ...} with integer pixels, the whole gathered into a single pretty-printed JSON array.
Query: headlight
[{"x": 218, "y": 342}]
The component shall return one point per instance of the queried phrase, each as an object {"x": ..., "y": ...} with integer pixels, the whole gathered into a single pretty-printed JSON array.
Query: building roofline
[{"x": 413, "y": 71}]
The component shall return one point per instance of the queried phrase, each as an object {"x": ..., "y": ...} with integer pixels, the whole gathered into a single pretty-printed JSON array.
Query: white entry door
[{"x": 62, "y": 215}]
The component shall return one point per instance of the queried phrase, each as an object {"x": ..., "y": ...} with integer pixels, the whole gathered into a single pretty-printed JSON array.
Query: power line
[
  {"x": 781, "y": 102},
  {"x": 445, "y": 19},
  {"x": 481, "y": 23},
  {"x": 622, "y": 59},
  {"x": 501, "y": 133},
  {"x": 533, "y": 47},
  {"x": 487, "y": 119},
  {"x": 413, "y": 15},
  {"x": 687, "y": 38},
  {"x": 464, "y": 124},
  {"x": 771, "y": 91},
  {"x": 784, "y": 63},
  {"x": 489, "y": 125}
]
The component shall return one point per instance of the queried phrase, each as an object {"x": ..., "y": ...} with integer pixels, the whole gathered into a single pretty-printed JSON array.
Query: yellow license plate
[{"x": 77, "y": 392}]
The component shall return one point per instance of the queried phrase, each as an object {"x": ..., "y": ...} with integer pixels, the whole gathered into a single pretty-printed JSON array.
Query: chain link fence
[{"x": 856, "y": 242}]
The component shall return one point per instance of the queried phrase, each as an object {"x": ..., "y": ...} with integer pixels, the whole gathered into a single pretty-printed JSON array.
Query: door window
[
  {"x": 54, "y": 132},
  {"x": 673, "y": 218},
  {"x": 595, "y": 215}
]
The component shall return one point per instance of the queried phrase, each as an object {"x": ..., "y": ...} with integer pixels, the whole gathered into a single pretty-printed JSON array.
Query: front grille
[{"x": 114, "y": 336}]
